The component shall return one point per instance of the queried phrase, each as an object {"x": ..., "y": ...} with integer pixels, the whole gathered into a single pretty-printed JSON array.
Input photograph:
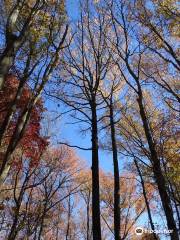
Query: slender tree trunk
[
  {"x": 88, "y": 203},
  {"x": 14, "y": 231},
  {"x": 5, "y": 173},
  {"x": 42, "y": 221},
  {"x": 145, "y": 198},
  {"x": 171, "y": 192},
  {"x": 6, "y": 60},
  {"x": 175, "y": 204},
  {"x": 17, "y": 135},
  {"x": 14, "y": 42},
  {"x": 69, "y": 216},
  {"x": 15, "y": 228},
  {"x": 160, "y": 180},
  {"x": 96, "y": 222},
  {"x": 11, "y": 110},
  {"x": 158, "y": 174},
  {"x": 116, "y": 178}
]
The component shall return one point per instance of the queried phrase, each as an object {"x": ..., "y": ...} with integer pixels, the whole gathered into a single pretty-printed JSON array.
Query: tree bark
[
  {"x": 160, "y": 180},
  {"x": 96, "y": 222},
  {"x": 116, "y": 178},
  {"x": 88, "y": 223}
]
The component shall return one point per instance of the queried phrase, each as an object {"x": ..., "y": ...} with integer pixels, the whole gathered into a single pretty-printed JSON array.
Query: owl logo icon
[{"x": 139, "y": 231}]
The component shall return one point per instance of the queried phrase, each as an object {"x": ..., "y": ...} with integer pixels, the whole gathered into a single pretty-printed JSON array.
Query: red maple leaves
[{"x": 32, "y": 144}]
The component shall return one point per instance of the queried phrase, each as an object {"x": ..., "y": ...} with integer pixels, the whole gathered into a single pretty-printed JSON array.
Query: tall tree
[
  {"x": 127, "y": 55},
  {"x": 86, "y": 65},
  {"x": 43, "y": 53},
  {"x": 110, "y": 97},
  {"x": 32, "y": 144}
]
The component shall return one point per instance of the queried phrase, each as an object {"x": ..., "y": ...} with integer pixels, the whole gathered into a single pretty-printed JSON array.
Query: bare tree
[
  {"x": 109, "y": 98},
  {"x": 87, "y": 62}
]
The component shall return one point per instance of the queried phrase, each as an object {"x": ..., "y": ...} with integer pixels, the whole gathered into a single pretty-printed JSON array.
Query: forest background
[{"x": 89, "y": 119}]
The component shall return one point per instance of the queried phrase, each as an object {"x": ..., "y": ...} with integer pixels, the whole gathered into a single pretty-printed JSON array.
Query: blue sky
[{"x": 72, "y": 9}]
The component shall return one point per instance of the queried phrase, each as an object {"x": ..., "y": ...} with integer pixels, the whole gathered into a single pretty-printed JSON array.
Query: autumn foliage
[
  {"x": 32, "y": 143},
  {"x": 89, "y": 120}
]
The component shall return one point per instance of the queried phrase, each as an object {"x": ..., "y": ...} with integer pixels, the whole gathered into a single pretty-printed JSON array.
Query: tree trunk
[
  {"x": 69, "y": 216},
  {"x": 87, "y": 209},
  {"x": 145, "y": 198},
  {"x": 16, "y": 137},
  {"x": 116, "y": 178},
  {"x": 6, "y": 61},
  {"x": 96, "y": 222},
  {"x": 160, "y": 180},
  {"x": 14, "y": 230},
  {"x": 11, "y": 111}
]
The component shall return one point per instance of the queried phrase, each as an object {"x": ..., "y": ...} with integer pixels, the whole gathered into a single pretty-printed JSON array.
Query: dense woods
[{"x": 112, "y": 73}]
